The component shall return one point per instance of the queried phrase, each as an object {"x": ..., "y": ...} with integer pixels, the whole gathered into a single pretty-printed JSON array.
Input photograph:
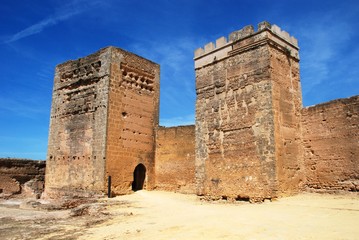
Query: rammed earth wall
[
  {"x": 247, "y": 115},
  {"x": 175, "y": 159},
  {"x": 21, "y": 176},
  {"x": 331, "y": 145},
  {"x": 252, "y": 139},
  {"x": 103, "y": 121}
]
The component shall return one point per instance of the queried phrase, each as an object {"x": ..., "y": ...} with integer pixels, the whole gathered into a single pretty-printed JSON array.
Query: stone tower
[
  {"x": 103, "y": 121},
  {"x": 248, "y": 143}
]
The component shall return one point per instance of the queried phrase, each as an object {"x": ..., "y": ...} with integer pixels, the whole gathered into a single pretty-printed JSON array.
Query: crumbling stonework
[
  {"x": 175, "y": 159},
  {"x": 331, "y": 145},
  {"x": 21, "y": 176},
  {"x": 103, "y": 121},
  {"x": 252, "y": 139},
  {"x": 132, "y": 120},
  {"x": 247, "y": 115}
]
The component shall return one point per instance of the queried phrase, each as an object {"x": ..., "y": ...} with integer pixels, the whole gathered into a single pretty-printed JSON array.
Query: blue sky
[{"x": 35, "y": 36}]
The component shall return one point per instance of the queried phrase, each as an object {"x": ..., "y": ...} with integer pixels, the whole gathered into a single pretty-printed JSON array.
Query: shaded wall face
[
  {"x": 132, "y": 119},
  {"x": 331, "y": 145},
  {"x": 234, "y": 126},
  {"x": 287, "y": 104},
  {"x": 175, "y": 159},
  {"x": 76, "y": 151}
]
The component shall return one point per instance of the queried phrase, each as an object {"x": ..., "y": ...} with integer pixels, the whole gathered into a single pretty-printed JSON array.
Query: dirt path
[{"x": 164, "y": 215}]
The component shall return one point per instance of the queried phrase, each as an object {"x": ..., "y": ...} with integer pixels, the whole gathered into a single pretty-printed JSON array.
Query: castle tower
[
  {"x": 248, "y": 115},
  {"x": 103, "y": 121}
]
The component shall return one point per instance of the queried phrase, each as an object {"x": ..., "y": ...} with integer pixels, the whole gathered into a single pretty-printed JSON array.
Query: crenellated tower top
[{"x": 266, "y": 32}]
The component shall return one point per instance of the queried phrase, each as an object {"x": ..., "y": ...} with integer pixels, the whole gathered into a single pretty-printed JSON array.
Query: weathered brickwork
[
  {"x": 175, "y": 159},
  {"x": 252, "y": 139},
  {"x": 97, "y": 101},
  {"x": 247, "y": 110},
  {"x": 286, "y": 104},
  {"x": 132, "y": 119},
  {"x": 77, "y": 138},
  {"x": 21, "y": 176},
  {"x": 331, "y": 145}
]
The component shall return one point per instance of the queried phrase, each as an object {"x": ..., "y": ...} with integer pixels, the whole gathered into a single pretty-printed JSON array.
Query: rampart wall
[
  {"x": 247, "y": 110},
  {"x": 77, "y": 136},
  {"x": 331, "y": 145},
  {"x": 104, "y": 117},
  {"x": 175, "y": 159},
  {"x": 132, "y": 119},
  {"x": 252, "y": 139},
  {"x": 21, "y": 176}
]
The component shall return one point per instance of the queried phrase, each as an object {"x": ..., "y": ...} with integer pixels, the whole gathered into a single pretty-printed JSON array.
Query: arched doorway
[{"x": 139, "y": 176}]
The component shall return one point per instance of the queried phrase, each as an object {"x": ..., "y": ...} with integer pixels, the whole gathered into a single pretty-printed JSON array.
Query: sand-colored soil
[{"x": 163, "y": 215}]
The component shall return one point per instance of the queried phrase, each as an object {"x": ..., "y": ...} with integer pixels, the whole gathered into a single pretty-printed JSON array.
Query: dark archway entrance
[{"x": 139, "y": 176}]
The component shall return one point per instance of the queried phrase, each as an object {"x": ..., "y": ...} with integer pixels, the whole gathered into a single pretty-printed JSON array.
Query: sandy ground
[{"x": 164, "y": 215}]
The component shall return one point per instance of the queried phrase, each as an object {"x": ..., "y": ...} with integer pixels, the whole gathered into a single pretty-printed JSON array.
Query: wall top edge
[{"x": 243, "y": 33}]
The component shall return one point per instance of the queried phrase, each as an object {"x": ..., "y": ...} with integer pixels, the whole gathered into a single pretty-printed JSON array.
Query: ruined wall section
[
  {"x": 132, "y": 119},
  {"x": 331, "y": 145},
  {"x": 76, "y": 152},
  {"x": 175, "y": 159},
  {"x": 21, "y": 176},
  {"x": 287, "y": 104},
  {"x": 235, "y": 145}
]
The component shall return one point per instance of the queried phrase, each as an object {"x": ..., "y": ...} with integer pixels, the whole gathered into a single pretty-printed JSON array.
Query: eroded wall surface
[
  {"x": 21, "y": 176},
  {"x": 103, "y": 121},
  {"x": 238, "y": 113},
  {"x": 175, "y": 159},
  {"x": 77, "y": 136},
  {"x": 287, "y": 104},
  {"x": 132, "y": 119},
  {"x": 331, "y": 145}
]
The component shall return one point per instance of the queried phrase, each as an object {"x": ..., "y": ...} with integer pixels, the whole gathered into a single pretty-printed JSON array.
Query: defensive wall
[
  {"x": 248, "y": 115},
  {"x": 21, "y": 177},
  {"x": 104, "y": 117},
  {"x": 331, "y": 145},
  {"x": 252, "y": 139},
  {"x": 175, "y": 159}
]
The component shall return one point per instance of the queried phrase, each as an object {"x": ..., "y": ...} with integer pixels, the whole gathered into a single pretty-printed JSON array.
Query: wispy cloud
[
  {"x": 29, "y": 107},
  {"x": 73, "y": 8},
  {"x": 323, "y": 52},
  {"x": 178, "y": 121},
  {"x": 177, "y": 76}
]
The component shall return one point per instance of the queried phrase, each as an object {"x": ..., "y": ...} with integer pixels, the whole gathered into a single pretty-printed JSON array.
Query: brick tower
[
  {"x": 103, "y": 121},
  {"x": 248, "y": 143}
]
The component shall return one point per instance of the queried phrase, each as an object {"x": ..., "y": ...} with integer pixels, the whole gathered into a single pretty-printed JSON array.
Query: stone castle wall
[
  {"x": 103, "y": 121},
  {"x": 21, "y": 176},
  {"x": 132, "y": 119},
  {"x": 77, "y": 136},
  {"x": 331, "y": 145},
  {"x": 241, "y": 84},
  {"x": 175, "y": 159},
  {"x": 286, "y": 105},
  {"x": 252, "y": 139}
]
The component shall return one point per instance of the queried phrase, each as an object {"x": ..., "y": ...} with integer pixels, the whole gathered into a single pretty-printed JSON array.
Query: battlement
[{"x": 247, "y": 31}]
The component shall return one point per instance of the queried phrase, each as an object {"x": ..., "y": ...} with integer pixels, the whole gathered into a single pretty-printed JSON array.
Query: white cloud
[
  {"x": 28, "y": 107},
  {"x": 178, "y": 121},
  {"x": 177, "y": 76},
  {"x": 62, "y": 14},
  {"x": 324, "y": 58}
]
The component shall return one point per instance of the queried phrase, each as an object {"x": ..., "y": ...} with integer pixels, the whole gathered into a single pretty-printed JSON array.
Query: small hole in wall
[
  {"x": 124, "y": 114},
  {"x": 245, "y": 199}
]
